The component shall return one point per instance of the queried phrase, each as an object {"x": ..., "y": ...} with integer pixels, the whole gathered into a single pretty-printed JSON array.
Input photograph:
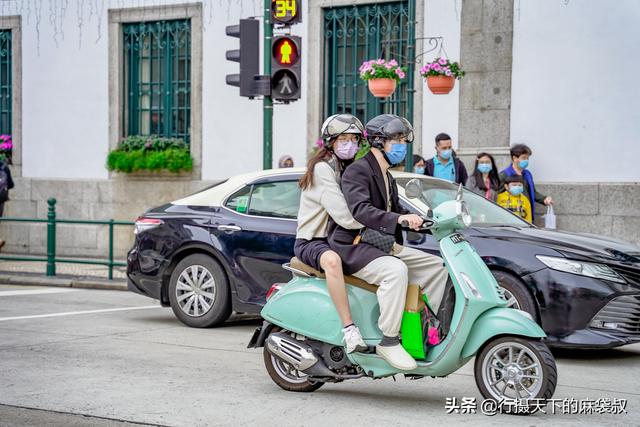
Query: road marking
[
  {"x": 73, "y": 313},
  {"x": 35, "y": 292}
]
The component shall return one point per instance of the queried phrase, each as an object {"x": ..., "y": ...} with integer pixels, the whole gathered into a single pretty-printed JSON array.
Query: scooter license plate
[{"x": 458, "y": 238}]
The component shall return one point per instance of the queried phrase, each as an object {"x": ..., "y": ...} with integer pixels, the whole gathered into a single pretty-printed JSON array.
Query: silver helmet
[{"x": 339, "y": 124}]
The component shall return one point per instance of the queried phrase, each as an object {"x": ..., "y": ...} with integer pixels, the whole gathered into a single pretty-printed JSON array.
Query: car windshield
[{"x": 483, "y": 212}]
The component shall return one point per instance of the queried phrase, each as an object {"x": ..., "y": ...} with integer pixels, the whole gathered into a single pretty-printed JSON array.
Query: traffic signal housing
[
  {"x": 286, "y": 70},
  {"x": 248, "y": 31}
]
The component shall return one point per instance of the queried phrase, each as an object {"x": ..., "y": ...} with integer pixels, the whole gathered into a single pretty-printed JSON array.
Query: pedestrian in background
[
  {"x": 485, "y": 180},
  {"x": 445, "y": 164},
  {"x": 520, "y": 154},
  {"x": 513, "y": 199},
  {"x": 418, "y": 164},
  {"x": 285, "y": 161},
  {"x": 6, "y": 184}
]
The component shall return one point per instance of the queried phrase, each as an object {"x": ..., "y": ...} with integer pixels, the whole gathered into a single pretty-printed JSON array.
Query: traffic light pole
[{"x": 267, "y": 102}]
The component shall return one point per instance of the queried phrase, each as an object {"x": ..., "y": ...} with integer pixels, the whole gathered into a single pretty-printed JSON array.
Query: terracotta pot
[
  {"x": 382, "y": 88},
  {"x": 440, "y": 85}
]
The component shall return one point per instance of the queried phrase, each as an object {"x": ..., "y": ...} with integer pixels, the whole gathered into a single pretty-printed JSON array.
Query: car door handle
[{"x": 229, "y": 228}]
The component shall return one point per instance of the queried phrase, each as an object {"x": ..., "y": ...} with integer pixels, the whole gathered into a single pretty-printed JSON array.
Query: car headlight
[
  {"x": 598, "y": 271},
  {"x": 463, "y": 213}
]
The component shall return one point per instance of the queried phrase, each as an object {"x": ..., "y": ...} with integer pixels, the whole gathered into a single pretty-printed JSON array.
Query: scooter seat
[{"x": 351, "y": 280}]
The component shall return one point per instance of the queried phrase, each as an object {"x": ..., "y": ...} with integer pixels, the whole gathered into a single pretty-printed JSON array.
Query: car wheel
[
  {"x": 515, "y": 292},
  {"x": 199, "y": 292}
]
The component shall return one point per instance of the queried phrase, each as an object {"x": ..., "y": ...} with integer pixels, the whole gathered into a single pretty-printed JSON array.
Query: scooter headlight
[{"x": 463, "y": 213}]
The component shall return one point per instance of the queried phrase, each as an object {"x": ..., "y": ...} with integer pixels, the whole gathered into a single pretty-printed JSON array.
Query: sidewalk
[{"x": 67, "y": 275}]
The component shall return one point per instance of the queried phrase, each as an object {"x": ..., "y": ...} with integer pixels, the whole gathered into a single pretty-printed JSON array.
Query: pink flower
[
  {"x": 436, "y": 67},
  {"x": 388, "y": 66},
  {"x": 319, "y": 143},
  {"x": 380, "y": 61},
  {"x": 401, "y": 75},
  {"x": 442, "y": 61},
  {"x": 447, "y": 73},
  {"x": 393, "y": 62},
  {"x": 372, "y": 71}
]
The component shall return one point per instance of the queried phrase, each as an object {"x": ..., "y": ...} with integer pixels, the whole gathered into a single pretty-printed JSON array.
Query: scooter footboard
[{"x": 500, "y": 321}]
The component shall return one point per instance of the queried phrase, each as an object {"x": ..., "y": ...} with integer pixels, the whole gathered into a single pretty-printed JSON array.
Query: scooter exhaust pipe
[{"x": 292, "y": 351}]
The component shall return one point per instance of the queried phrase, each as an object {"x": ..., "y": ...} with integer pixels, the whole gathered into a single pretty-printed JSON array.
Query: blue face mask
[
  {"x": 484, "y": 168},
  {"x": 397, "y": 154},
  {"x": 523, "y": 164},
  {"x": 419, "y": 170},
  {"x": 445, "y": 154},
  {"x": 516, "y": 190}
]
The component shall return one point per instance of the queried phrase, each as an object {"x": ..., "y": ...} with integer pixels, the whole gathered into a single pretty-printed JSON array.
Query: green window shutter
[
  {"x": 157, "y": 78},
  {"x": 354, "y": 34},
  {"x": 5, "y": 82}
]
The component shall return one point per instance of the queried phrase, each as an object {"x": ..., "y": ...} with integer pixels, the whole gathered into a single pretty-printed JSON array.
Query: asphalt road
[{"x": 90, "y": 357}]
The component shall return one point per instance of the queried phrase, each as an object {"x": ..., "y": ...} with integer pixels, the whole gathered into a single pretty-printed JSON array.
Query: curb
[{"x": 63, "y": 281}]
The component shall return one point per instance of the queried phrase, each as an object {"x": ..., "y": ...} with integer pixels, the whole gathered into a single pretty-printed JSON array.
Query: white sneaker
[
  {"x": 397, "y": 357},
  {"x": 353, "y": 340}
]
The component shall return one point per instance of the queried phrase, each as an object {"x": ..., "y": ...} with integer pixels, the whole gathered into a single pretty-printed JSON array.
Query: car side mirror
[{"x": 413, "y": 189}]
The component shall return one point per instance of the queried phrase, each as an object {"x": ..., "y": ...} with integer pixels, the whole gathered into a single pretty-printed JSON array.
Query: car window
[
  {"x": 275, "y": 199},
  {"x": 239, "y": 201},
  {"x": 483, "y": 212}
]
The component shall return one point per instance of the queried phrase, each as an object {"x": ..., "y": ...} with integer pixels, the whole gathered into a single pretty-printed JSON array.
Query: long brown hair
[{"x": 307, "y": 179}]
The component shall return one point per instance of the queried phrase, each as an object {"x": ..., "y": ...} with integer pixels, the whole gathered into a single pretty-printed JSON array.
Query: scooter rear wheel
[
  {"x": 285, "y": 375},
  {"x": 515, "y": 368}
]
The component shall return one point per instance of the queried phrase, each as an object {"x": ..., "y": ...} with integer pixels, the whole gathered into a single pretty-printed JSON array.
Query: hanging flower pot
[
  {"x": 441, "y": 75},
  {"x": 381, "y": 76},
  {"x": 382, "y": 88},
  {"x": 440, "y": 85}
]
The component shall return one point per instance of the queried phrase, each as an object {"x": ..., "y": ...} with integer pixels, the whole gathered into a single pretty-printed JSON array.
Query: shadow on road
[{"x": 606, "y": 354}]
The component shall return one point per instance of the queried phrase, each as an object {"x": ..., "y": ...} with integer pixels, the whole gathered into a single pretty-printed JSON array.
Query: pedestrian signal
[
  {"x": 285, "y": 12},
  {"x": 286, "y": 70}
]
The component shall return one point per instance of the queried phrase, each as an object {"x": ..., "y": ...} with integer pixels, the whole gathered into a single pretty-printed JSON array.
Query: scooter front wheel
[
  {"x": 516, "y": 368},
  {"x": 285, "y": 375}
]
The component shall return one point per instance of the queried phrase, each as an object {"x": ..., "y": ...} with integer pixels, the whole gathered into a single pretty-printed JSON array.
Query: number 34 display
[{"x": 285, "y": 12}]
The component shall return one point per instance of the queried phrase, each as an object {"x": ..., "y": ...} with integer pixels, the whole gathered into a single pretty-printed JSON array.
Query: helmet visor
[
  {"x": 398, "y": 128},
  {"x": 343, "y": 123}
]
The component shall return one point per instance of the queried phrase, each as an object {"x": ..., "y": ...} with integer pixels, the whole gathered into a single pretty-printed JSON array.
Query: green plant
[
  {"x": 381, "y": 69},
  {"x": 136, "y": 153},
  {"x": 442, "y": 67}
]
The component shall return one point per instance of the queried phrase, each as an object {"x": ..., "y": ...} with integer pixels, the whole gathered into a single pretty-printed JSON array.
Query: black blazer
[{"x": 364, "y": 190}]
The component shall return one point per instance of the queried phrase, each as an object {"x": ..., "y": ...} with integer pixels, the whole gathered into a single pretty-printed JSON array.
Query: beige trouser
[{"x": 392, "y": 274}]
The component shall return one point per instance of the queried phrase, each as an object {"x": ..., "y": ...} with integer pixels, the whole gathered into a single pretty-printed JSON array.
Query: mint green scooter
[{"x": 302, "y": 336}]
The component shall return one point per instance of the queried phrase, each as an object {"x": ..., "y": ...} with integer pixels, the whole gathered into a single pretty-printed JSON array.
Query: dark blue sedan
[{"x": 220, "y": 250}]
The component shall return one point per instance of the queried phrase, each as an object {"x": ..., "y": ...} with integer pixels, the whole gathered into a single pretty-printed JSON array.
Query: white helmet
[{"x": 339, "y": 124}]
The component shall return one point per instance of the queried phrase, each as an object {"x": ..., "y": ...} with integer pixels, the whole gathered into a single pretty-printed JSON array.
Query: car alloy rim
[
  {"x": 512, "y": 371},
  {"x": 512, "y": 302},
  {"x": 195, "y": 291}
]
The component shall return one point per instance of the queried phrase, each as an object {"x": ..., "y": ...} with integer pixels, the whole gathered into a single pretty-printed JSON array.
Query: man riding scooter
[{"x": 375, "y": 253}]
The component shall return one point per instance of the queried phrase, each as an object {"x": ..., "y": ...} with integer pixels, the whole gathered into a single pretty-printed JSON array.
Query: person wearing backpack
[{"x": 6, "y": 184}]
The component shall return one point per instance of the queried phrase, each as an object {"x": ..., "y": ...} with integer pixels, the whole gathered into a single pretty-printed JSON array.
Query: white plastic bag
[{"x": 550, "y": 218}]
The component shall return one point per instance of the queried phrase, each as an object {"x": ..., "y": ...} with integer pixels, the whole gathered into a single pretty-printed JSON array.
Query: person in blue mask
[
  {"x": 513, "y": 198},
  {"x": 445, "y": 164},
  {"x": 520, "y": 154},
  {"x": 375, "y": 253},
  {"x": 485, "y": 180},
  {"x": 418, "y": 164}
]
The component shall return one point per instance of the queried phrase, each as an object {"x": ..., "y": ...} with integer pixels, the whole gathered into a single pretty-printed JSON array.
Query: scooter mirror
[
  {"x": 413, "y": 189},
  {"x": 459, "y": 195}
]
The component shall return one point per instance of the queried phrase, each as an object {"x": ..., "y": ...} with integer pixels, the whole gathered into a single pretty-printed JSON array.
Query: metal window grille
[
  {"x": 357, "y": 33},
  {"x": 157, "y": 75},
  {"x": 5, "y": 82}
]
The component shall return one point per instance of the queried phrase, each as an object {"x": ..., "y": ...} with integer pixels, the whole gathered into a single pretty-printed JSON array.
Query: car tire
[
  {"x": 516, "y": 290},
  {"x": 199, "y": 292}
]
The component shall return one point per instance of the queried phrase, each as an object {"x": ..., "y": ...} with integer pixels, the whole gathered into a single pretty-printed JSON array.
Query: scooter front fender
[{"x": 500, "y": 321}]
